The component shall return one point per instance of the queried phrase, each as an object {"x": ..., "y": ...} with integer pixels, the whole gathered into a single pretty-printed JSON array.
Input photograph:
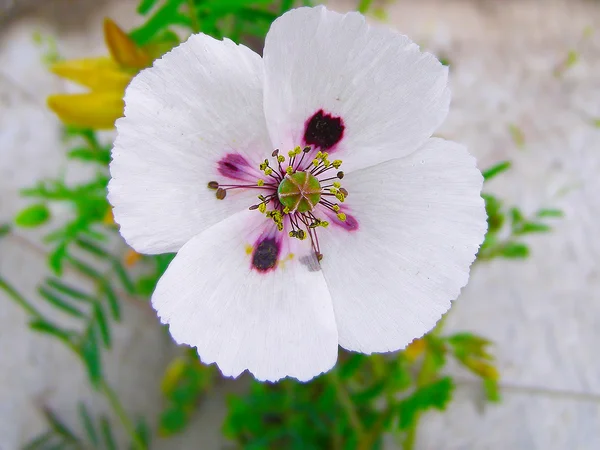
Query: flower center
[
  {"x": 299, "y": 191},
  {"x": 290, "y": 191}
]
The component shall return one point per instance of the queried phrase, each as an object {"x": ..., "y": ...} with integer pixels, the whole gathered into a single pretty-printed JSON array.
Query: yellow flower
[{"x": 106, "y": 77}]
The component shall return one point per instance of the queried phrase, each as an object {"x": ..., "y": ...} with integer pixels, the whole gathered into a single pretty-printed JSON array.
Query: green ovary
[{"x": 299, "y": 191}]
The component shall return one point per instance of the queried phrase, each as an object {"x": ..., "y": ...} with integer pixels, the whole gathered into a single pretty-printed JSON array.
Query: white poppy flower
[{"x": 368, "y": 258}]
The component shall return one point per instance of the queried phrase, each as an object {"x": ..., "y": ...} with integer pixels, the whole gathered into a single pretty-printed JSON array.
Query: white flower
[{"x": 368, "y": 258}]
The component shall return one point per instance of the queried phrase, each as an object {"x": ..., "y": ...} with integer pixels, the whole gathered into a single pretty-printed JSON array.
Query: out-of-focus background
[{"x": 525, "y": 76}]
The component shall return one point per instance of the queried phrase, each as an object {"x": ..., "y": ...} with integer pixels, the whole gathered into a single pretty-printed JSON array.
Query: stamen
[
  {"x": 221, "y": 193},
  {"x": 293, "y": 193}
]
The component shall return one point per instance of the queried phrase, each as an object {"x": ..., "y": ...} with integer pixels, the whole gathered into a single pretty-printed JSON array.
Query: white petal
[
  {"x": 275, "y": 324},
  {"x": 199, "y": 102},
  {"x": 383, "y": 87},
  {"x": 420, "y": 222}
]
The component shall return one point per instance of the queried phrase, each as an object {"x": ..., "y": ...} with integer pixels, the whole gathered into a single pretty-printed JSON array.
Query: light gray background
[{"x": 544, "y": 314}]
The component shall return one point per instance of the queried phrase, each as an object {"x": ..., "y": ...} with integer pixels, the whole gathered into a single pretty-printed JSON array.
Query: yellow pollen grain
[{"x": 249, "y": 249}]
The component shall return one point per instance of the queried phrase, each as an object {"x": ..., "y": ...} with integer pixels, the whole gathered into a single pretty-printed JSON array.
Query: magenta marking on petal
[
  {"x": 350, "y": 224},
  {"x": 323, "y": 130},
  {"x": 235, "y": 166},
  {"x": 266, "y": 254}
]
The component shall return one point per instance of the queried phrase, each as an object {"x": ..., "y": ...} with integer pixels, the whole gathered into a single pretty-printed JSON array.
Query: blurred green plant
[{"x": 352, "y": 407}]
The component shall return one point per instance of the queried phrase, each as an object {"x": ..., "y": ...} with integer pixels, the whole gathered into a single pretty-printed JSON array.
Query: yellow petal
[
  {"x": 93, "y": 110},
  {"x": 123, "y": 50},
  {"x": 99, "y": 74}
]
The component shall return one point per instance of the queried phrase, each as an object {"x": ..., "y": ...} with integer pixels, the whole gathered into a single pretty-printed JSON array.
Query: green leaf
[
  {"x": 145, "y": 286},
  {"x": 112, "y": 300},
  {"x": 492, "y": 390},
  {"x": 516, "y": 217},
  {"x": 92, "y": 247},
  {"x": 286, "y": 5},
  {"x": 107, "y": 434},
  {"x": 91, "y": 356},
  {"x": 72, "y": 292},
  {"x": 514, "y": 250},
  {"x": 145, "y": 6},
  {"x": 349, "y": 367},
  {"x": 161, "y": 19},
  {"x": 143, "y": 432},
  {"x": 173, "y": 420},
  {"x": 88, "y": 424},
  {"x": 123, "y": 277},
  {"x": 493, "y": 209},
  {"x": 4, "y": 230},
  {"x": 84, "y": 268},
  {"x": 88, "y": 155},
  {"x": 550, "y": 213},
  {"x": 444, "y": 61},
  {"x": 38, "y": 442},
  {"x": 369, "y": 394},
  {"x": 46, "y": 327},
  {"x": 534, "y": 227},
  {"x": 363, "y": 6},
  {"x": 59, "y": 427},
  {"x": 434, "y": 395},
  {"x": 33, "y": 216},
  {"x": 496, "y": 169},
  {"x": 58, "y": 302},
  {"x": 56, "y": 258},
  {"x": 102, "y": 323}
]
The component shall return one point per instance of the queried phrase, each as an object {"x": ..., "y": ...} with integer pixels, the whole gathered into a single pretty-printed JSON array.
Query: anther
[
  {"x": 253, "y": 207},
  {"x": 344, "y": 192},
  {"x": 221, "y": 193},
  {"x": 275, "y": 153},
  {"x": 213, "y": 185},
  {"x": 306, "y": 149},
  {"x": 340, "y": 174}
]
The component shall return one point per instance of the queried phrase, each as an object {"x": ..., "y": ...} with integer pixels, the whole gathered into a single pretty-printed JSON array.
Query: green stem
[
  {"x": 193, "y": 16},
  {"x": 424, "y": 376},
  {"x": 347, "y": 405},
  {"x": 119, "y": 411},
  {"x": 19, "y": 299}
]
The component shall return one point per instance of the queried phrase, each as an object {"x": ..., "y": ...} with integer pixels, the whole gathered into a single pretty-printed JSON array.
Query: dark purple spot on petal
[
  {"x": 265, "y": 255},
  {"x": 234, "y": 165},
  {"x": 323, "y": 130}
]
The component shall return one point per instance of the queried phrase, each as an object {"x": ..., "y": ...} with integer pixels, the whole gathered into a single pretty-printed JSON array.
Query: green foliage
[
  {"x": 33, "y": 216},
  {"x": 508, "y": 225},
  {"x": 362, "y": 398},
  {"x": 185, "y": 382},
  {"x": 433, "y": 395},
  {"x": 496, "y": 170}
]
